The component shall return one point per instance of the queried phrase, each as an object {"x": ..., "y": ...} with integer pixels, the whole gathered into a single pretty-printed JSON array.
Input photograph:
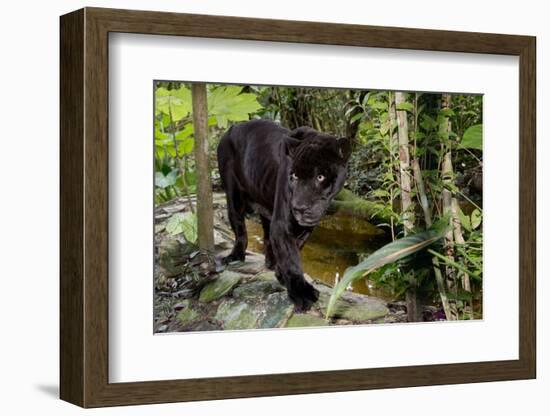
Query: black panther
[{"x": 289, "y": 178}]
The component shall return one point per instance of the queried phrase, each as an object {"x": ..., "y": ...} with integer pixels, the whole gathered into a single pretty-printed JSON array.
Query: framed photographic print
[{"x": 255, "y": 207}]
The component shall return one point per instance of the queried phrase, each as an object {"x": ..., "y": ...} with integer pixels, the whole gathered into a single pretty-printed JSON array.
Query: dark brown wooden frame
[{"x": 84, "y": 208}]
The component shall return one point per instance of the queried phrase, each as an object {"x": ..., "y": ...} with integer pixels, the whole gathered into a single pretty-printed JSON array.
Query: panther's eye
[
  {"x": 320, "y": 178},
  {"x": 293, "y": 176}
]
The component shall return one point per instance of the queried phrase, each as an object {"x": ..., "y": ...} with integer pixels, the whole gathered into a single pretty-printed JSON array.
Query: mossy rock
[
  {"x": 266, "y": 276},
  {"x": 300, "y": 320},
  {"x": 171, "y": 251},
  {"x": 278, "y": 308},
  {"x": 257, "y": 289},
  {"x": 360, "y": 312},
  {"x": 220, "y": 287},
  {"x": 253, "y": 264},
  {"x": 236, "y": 315},
  {"x": 368, "y": 308}
]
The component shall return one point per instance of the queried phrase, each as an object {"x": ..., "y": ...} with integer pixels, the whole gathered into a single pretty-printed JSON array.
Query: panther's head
[{"x": 317, "y": 172}]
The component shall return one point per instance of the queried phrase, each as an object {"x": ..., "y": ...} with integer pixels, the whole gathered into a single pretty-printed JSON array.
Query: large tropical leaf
[
  {"x": 177, "y": 101},
  {"x": 473, "y": 137},
  {"x": 227, "y": 103},
  {"x": 164, "y": 181},
  {"x": 390, "y": 253},
  {"x": 183, "y": 223}
]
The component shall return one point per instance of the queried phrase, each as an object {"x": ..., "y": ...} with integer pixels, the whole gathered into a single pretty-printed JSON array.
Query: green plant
[{"x": 390, "y": 253}]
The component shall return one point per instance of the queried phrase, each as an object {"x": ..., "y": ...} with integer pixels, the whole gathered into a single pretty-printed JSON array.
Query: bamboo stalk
[
  {"x": 393, "y": 142},
  {"x": 406, "y": 200},
  {"x": 404, "y": 164},
  {"x": 428, "y": 220}
]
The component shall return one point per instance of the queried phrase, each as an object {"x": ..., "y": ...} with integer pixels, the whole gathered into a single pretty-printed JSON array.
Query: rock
[
  {"x": 236, "y": 315},
  {"x": 219, "y": 287},
  {"x": 270, "y": 311},
  {"x": 360, "y": 312},
  {"x": 171, "y": 251},
  {"x": 206, "y": 326},
  {"x": 257, "y": 288},
  {"x": 353, "y": 307},
  {"x": 254, "y": 264},
  {"x": 299, "y": 320},
  {"x": 162, "y": 328},
  {"x": 266, "y": 276},
  {"x": 277, "y": 310}
]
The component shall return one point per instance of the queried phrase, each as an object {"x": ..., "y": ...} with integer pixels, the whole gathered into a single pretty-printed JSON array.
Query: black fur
[{"x": 289, "y": 178}]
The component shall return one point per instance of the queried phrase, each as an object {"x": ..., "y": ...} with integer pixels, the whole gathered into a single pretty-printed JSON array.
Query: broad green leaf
[
  {"x": 464, "y": 220},
  {"x": 186, "y": 146},
  {"x": 379, "y": 106},
  {"x": 164, "y": 181},
  {"x": 183, "y": 223},
  {"x": 390, "y": 253},
  {"x": 475, "y": 218},
  {"x": 447, "y": 112},
  {"x": 404, "y": 106},
  {"x": 473, "y": 137},
  {"x": 227, "y": 103},
  {"x": 356, "y": 117},
  {"x": 178, "y": 102},
  {"x": 186, "y": 132}
]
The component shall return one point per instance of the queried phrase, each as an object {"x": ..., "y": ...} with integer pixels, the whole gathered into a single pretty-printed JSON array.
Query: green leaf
[
  {"x": 186, "y": 132},
  {"x": 379, "y": 106},
  {"x": 178, "y": 102},
  {"x": 390, "y": 253},
  {"x": 427, "y": 122},
  {"x": 186, "y": 146},
  {"x": 404, "y": 106},
  {"x": 356, "y": 117},
  {"x": 464, "y": 220},
  {"x": 475, "y": 218},
  {"x": 447, "y": 112},
  {"x": 227, "y": 103},
  {"x": 164, "y": 181},
  {"x": 473, "y": 137},
  {"x": 183, "y": 223}
]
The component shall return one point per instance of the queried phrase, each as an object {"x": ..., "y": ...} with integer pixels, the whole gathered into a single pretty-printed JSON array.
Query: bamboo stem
[{"x": 406, "y": 200}]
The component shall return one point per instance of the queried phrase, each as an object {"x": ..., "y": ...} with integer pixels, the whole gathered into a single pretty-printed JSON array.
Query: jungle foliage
[{"x": 415, "y": 171}]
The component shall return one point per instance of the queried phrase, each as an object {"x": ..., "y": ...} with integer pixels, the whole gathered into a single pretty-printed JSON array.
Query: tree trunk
[
  {"x": 205, "y": 216},
  {"x": 406, "y": 201}
]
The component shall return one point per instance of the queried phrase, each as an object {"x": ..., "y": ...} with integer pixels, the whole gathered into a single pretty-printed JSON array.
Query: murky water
[{"x": 333, "y": 247}]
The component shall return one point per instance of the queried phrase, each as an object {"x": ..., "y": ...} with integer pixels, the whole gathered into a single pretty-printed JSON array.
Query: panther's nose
[{"x": 301, "y": 208}]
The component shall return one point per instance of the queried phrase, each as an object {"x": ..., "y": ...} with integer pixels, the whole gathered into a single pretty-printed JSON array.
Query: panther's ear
[
  {"x": 302, "y": 132},
  {"x": 291, "y": 144},
  {"x": 344, "y": 148}
]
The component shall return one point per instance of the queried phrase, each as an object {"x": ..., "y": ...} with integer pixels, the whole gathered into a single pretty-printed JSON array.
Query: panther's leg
[
  {"x": 288, "y": 268},
  {"x": 236, "y": 208},
  {"x": 268, "y": 251}
]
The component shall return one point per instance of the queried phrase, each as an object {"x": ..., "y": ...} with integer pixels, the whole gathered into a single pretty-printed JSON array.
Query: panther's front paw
[
  {"x": 303, "y": 297},
  {"x": 233, "y": 257}
]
